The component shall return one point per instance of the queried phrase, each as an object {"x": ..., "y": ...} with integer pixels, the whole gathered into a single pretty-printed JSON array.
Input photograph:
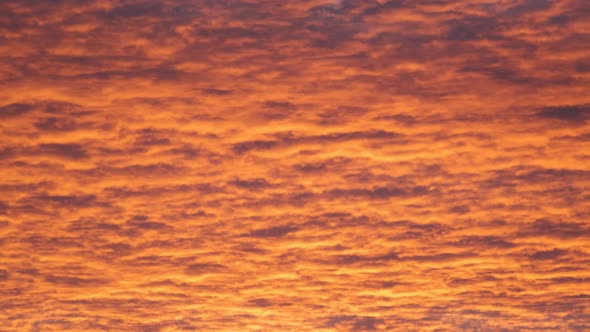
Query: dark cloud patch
[
  {"x": 349, "y": 259},
  {"x": 544, "y": 175},
  {"x": 149, "y": 137},
  {"x": 150, "y": 261},
  {"x": 261, "y": 302},
  {"x": 377, "y": 192},
  {"x": 137, "y": 10},
  {"x": 412, "y": 230},
  {"x": 222, "y": 34},
  {"x": 569, "y": 113},
  {"x": 162, "y": 73},
  {"x": 473, "y": 28},
  {"x": 441, "y": 257},
  {"x": 356, "y": 323},
  {"x": 143, "y": 223},
  {"x": 473, "y": 324},
  {"x": 63, "y": 201},
  {"x": 405, "y": 119},
  {"x": 455, "y": 282},
  {"x": 157, "y": 191},
  {"x": 196, "y": 214},
  {"x": 57, "y": 124},
  {"x": 560, "y": 20},
  {"x": 383, "y": 8},
  {"x": 333, "y": 321},
  {"x": 251, "y": 184},
  {"x": 217, "y": 92},
  {"x": 139, "y": 170},
  {"x": 202, "y": 268},
  {"x": 373, "y": 193},
  {"x": 60, "y": 323},
  {"x": 3, "y": 207},
  {"x": 75, "y": 281},
  {"x": 342, "y": 114},
  {"x": 57, "y": 107},
  {"x": 330, "y": 31},
  {"x": 250, "y": 248},
  {"x": 354, "y": 259},
  {"x": 555, "y": 229},
  {"x": 548, "y": 254},
  {"x": 311, "y": 167},
  {"x": 291, "y": 139},
  {"x": 8, "y": 152},
  {"x": 460, "y": 209},
  {"x": 29, "y": 271},
  {"x": 48, "y": 244},
  {"x": 508, "y": 73},
  {"x": 518, "y": 175},
  {"x": 276, "y": 110},
  {"x": 4, "y": 275},
  {"x": 338, "y": 164},
  {"x": 583, "y": 65},
  {"x": 116, "y": 249},
  {"x": 273, "y": 232},
  {"x": 65, "y": 150},
  {"x": 287, "y": 139},
  {"x": 247, "y": 146},
  {"x": 93, "y": 226},
  {"x": 334, "y": 220},
  {"x": 584, "y": 137},
  {"x": 15, "y": 110},
  {"x": 367, "y": 324},
  {"x": 528, "y": 7},
  {"x": 155, "y": 102},
  {"x": 187, "y": 151},
  {"x": 568, "y": 280},
  {"x": 484, "y": 241},
  {"x": 72, "y": 151}
]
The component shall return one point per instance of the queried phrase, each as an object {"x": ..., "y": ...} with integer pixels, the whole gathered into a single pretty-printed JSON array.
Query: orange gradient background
[{"x": 309, "y": 165}]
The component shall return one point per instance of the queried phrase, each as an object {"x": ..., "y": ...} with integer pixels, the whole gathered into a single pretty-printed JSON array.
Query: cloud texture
[{"x": 310, "y": 165}]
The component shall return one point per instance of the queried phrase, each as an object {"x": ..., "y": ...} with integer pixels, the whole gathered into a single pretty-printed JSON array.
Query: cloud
[
  {"x": 548, "y": 254},
  {"x": 441, "y": 257},
  {"x": 43, "y": 204},
  {"x": 4, "y": 275},
  {"x": 272, "y": 232},
  {"x": 573, "y": 113},
  {"x": 67, "y": 150},
  {"x": 275, "y": 110},
  {"x": 74, "y": 281},
  {"x": 247, "y": 146},
  {"x": 556, "y": 229},
  {"x": 57, "y": 124},
  {"x": 143, "y": 223},
  {"x": 15, "y": 110},
  {"x": 294, "y": 165},
  {"x": 251, "y": 184},
  {"x": 201, "y": 268},
  {"x": 359, "y": 323},
  {"x": 287, "y": 139},
  {"x": 261, "y": 302},
  {"x": 484, "y": 241}
]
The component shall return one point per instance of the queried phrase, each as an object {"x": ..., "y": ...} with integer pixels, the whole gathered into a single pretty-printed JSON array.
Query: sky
[{"x": 309, "y": 165}]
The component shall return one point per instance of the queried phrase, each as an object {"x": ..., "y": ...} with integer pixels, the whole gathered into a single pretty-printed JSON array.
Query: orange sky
[{"x": 309, "y": 165}]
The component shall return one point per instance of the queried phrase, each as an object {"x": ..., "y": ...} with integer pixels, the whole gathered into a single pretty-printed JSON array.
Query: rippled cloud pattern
[{"x": 309, "y": 165}]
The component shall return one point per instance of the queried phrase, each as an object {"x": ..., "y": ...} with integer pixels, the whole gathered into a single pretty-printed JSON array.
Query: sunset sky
[{"x": 305, "y": 165}]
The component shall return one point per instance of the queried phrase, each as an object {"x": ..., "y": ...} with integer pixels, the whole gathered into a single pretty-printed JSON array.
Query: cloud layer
[{"x": 262, "y": 165}]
